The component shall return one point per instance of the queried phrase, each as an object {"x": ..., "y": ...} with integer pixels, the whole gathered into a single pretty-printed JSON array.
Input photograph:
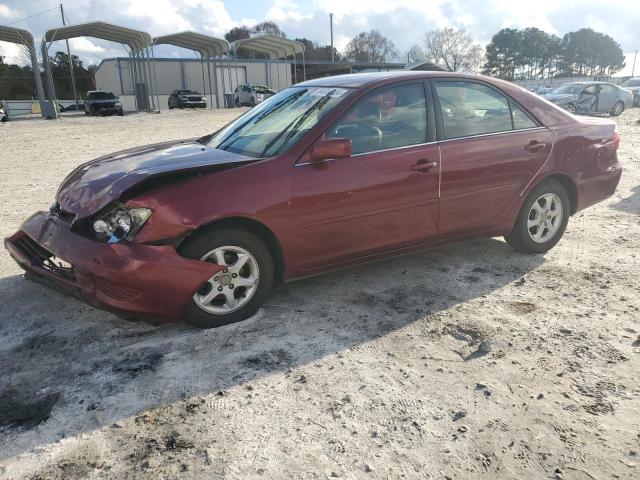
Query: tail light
[{"x": 616, "y": 138}]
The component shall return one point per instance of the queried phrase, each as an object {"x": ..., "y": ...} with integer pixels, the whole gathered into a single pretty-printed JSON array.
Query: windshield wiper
[
  {"x": 255, "y": 120},
  {"x": 295, "y": 125}
]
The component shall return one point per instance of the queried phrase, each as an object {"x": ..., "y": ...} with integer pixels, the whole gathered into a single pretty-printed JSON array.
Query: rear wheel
[
  {"x": 571, "y": 108},
  {"x": 236, "y": 292},
  {"x": 542, "y": 219},
  {"x": 617, "y": 109}
]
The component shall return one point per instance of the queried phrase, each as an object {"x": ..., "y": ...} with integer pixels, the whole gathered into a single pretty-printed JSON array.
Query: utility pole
[
  {"x": 73, "y": 80},
  {"x": 331, "y": 28},
  {"x": 633, "y": 70}
]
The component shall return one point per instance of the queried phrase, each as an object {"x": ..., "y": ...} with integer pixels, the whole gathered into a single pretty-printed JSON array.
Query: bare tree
[
  {"x": 416, "y": 54},
  {"x": 455, "y": 50},
  {"x": 371, "y": 47}
]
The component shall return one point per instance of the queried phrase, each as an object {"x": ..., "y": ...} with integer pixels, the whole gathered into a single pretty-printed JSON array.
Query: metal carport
[
  {"x": 208, "y": 47},
  {"x": 273, "y": 48},
  {"x": 25, "y": 39},
  {"x": 139, "y": 43}
]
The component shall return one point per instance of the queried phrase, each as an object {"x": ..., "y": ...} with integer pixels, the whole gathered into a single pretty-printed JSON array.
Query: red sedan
[{"x": 327, "y": 173}]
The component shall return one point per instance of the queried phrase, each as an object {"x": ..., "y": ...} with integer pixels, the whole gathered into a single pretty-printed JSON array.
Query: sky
[{"x": 404, "y": 22}]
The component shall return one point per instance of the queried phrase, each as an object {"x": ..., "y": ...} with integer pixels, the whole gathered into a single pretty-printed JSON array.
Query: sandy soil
[{"x": 371, "y": 372}]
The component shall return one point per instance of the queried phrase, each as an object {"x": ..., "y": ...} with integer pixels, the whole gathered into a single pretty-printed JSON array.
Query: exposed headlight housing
[
  {"x": 204, "y": 99},
  {"x": 121, "y": 223}
]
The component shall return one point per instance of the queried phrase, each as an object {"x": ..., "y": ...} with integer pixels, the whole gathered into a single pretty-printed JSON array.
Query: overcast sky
[{"x": 404, "y": 22}]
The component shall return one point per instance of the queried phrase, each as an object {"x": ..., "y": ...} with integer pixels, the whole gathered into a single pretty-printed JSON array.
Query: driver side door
[{"x": 382, "y": 198}]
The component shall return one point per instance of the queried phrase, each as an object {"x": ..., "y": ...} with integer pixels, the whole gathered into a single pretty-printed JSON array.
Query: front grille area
[
  {"x": 114, "y": 289},
  {"x": 40, "y": 257}
]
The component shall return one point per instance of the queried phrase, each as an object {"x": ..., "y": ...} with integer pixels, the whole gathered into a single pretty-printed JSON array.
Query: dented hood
[{"x": 99, "y": 182}]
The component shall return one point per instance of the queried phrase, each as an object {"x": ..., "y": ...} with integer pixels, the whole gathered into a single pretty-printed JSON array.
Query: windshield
[
  {"x": 633, "y": 82},
  {"x": 102, "y": 96},
  {"x": 187, "y": 92},
  {"x": 570, "y": 88},
  {"x": 279, "y": 122}
]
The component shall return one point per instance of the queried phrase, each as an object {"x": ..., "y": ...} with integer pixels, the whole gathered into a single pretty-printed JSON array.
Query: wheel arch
[
  {"x": 257, "y": 228},
  {"x": 568, "y": 184}
]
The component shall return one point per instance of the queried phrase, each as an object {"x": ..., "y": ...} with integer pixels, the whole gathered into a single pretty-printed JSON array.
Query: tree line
[{"x": 511, "y": 54}]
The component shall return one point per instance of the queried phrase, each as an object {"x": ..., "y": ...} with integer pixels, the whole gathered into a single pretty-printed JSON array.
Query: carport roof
[
  {"x": 135, "y": 39},
  {"x": 203, "y": 44},
  {"x": 270, "y": 45},
  {"x": 16, "y": 35}
]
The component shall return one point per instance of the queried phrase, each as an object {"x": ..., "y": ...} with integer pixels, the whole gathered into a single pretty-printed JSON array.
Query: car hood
[
  {"x": 99, "y": 182},
  {"x": 559, "y": 97}
]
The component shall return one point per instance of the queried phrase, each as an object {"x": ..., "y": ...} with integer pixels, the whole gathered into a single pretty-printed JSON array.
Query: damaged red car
[{"x": 327, "y": 173}]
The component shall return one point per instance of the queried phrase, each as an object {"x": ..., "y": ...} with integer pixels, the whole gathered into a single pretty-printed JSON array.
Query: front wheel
[
  {"x": 542, "y": 219},
  {"x": 617, "y": 109},
  {"x": 571, "y": 108},
  {"x": 236, "y": 292}
]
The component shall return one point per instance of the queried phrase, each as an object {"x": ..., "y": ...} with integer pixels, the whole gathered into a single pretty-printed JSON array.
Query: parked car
[
  {"x": 4, "y": 117},
  {"x": 543, "y": 90},
  {"x": 250, "y": 94},
  {"x": 100, "y": 102},
  {"x": 186, "y": 99},
  {"x": 633, "y": 85},
  {"x": 585, "y": 98},
  {"x": 360, "y": 167}
]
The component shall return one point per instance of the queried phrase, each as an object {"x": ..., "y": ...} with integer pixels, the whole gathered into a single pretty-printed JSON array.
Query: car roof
[
  {"x": 355, "y": 80},
  {"x": 588, "y": 83}
]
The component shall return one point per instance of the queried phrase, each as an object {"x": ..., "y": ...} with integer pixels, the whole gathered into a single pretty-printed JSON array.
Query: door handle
[
  {"x": 423, "y": 165},
  {"x": 535, "y": 146}
]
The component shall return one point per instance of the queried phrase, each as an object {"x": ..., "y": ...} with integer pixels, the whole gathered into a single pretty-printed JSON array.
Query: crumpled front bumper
[{"x": 138, "y": 280}]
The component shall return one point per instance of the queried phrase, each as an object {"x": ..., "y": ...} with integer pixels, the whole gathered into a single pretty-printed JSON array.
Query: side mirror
[{"x": 330, "y": 148}]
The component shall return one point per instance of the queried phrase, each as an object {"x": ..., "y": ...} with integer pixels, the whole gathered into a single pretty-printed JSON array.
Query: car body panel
[
  {"x": 483, "y": 176},
  {"x": 97, "y": 183},
  {"x": 132, "y": 278},
  {"x": 325, "y": 214}
]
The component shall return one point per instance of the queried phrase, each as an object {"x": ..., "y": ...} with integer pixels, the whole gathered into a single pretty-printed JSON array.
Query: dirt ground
[{"x": 372, "y": 372}]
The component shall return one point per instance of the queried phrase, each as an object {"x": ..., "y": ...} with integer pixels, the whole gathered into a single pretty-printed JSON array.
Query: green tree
[{"x": 314, "y": 51}]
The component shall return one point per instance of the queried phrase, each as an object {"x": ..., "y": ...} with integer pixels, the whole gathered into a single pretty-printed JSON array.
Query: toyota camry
[{"x": 327, "y": 173}]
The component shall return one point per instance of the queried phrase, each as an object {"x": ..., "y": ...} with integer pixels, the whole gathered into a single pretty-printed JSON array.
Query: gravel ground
[{"x": 469, "y": 361}]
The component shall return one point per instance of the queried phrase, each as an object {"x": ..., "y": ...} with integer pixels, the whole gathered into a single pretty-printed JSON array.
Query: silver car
[
  {"x": 633, "y": 85},
  {"x": 250, "y": 94},
  {"x": 586, "y": 98}
]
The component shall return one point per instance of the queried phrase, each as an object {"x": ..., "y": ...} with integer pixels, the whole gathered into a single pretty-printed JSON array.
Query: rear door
[
  {"x": 383, "y": 197},
  {"x": 490, "y": 150}
]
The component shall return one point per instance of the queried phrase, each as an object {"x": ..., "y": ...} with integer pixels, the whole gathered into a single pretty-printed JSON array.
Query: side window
[
  {"x": 386, "y": 118},
  {"x": 606, "y": 89},
  {"x": 470, "y": 108},
  {"x": 590, "y": 90},
  {"x": 246, "y": 88},
  {"x": 520, "y": 119}
]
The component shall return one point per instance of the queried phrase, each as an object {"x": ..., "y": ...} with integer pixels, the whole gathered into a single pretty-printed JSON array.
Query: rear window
[{"x": 102, "y": 96}]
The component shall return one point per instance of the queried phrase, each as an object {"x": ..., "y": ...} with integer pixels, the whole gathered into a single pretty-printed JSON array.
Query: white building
[{"x": 114, "y": 74}]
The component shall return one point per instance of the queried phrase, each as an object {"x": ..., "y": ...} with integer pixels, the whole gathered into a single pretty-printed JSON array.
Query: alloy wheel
[
  {"x": 571, "y": 108},
  {"x": 545, "y": 217},
  {"x": 232, "y": 287},
  {"x": 617, "y": 109}
]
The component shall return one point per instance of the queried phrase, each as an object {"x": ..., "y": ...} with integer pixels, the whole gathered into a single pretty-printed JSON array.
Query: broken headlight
[{"x": 121, "y": 223}]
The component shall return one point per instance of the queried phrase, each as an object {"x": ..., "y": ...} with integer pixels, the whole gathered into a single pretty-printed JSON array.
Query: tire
[
  {"x": 521, "y": 238},
  {"x": 259, "y": 265},
  {"x": 571, "y": 108},
  {"x": 252, "y": 102},
  {"x": 617, "y": 109}
]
